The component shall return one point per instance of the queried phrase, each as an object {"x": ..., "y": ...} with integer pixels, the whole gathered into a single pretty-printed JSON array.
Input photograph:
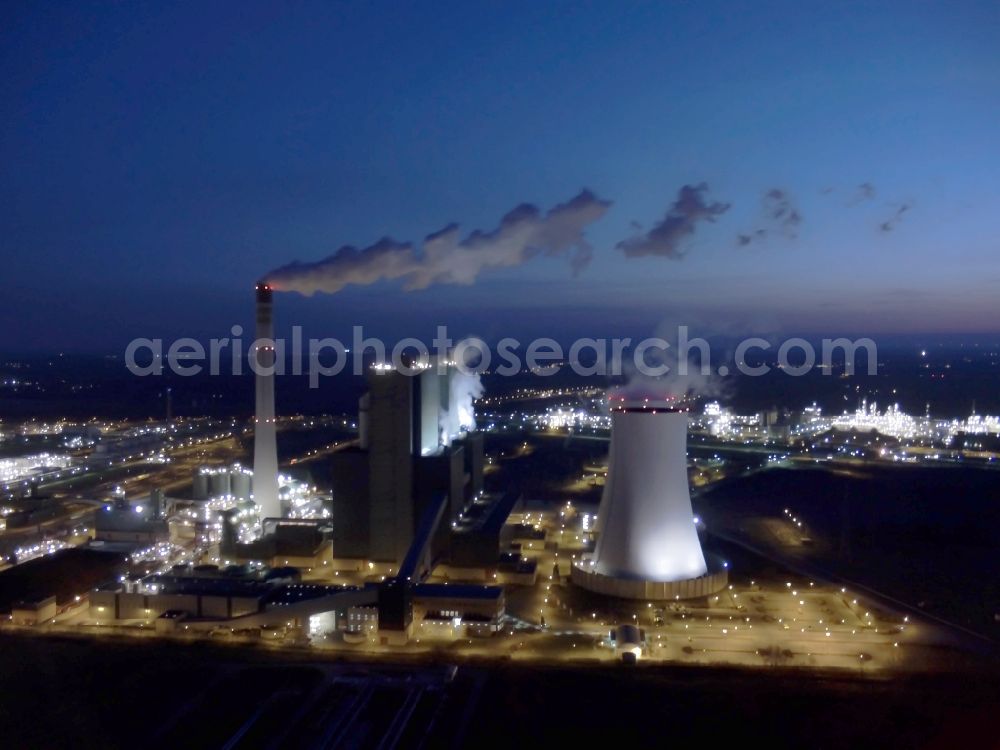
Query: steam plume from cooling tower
[
  {"x": 464, "y": 389},
  {"x": 673, "y": 387},
  {"x": 693, "y": 359},
  {"x": 445, "y": 257},
  {"x": 685, "y": 378}
]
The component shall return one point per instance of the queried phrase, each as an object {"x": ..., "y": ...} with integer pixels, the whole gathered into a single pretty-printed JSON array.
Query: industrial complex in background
[
  {"x": 405, "y": 544},
  {"x": 421, "y": 549}
]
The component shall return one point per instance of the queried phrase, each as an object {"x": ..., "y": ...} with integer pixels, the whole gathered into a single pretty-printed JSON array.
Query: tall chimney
[{"x": 265, "y": 448}]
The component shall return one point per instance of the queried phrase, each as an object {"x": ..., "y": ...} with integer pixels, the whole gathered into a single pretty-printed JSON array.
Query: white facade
[
  {"x": 646, "y": 527},
  {"x": 447, "y": 411}
]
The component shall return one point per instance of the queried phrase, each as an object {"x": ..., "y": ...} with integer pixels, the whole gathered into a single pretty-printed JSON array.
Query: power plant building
[{"x": 412, "y": 449}]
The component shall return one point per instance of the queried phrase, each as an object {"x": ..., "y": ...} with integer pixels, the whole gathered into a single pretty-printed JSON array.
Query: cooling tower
[
  {"x": 648, "y": 545},
  {"x": 265, "y": 448}
]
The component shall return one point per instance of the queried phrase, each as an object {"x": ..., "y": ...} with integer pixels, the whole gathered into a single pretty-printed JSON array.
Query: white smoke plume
[
  {"x": 889, "y": 224},
  {"x": 697, "y": 347},
  {"x": 780, "y": 213},
  {"x": 464, "y": 389},
  {"x": 865, "y": 192},
  {"x": 678, "y": 224},
  {"x": 446, "y": 258},
  {"x": 680, "y": 384}
]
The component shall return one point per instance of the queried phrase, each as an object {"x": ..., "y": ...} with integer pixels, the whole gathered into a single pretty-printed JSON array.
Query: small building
[
  {"x": 33, "y": 611},
  {"x": 629, "y": 641},
  {"x": 169, "y": 621},
  {"x": 139, "y": 525},
  {"x": 362, "y": 624},
  {"x": 455, "y": 610}
]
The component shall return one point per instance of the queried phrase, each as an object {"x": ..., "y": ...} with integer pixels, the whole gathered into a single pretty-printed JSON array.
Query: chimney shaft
[{"x": 265, "y": 448}]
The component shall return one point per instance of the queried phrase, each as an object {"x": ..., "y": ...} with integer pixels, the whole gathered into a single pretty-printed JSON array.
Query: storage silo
[
  {"x": 239, "y": 483},
  {"x": 218, "y": 483},
  {"x": 199, "y": 488}
]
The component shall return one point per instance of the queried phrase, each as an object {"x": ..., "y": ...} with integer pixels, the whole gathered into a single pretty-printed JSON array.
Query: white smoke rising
[
  {"x": 673, "y": 386},
  {"x": 463, "y": 390},
  {"x": 445, "y": 258},
  {"x": 696, "y": 348}
]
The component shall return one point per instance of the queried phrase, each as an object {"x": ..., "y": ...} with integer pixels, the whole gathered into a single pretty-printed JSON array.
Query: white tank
[
  {"x": 647, "y": 529},
  {"x": 200, "y": 486},
  {"x": 239, "y": 483},
  {"x": 218, "y": 483}
]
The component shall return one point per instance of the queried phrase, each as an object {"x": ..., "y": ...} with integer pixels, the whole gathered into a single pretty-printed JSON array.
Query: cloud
[
  {"x": 679, "y": 223},
  {"x": 780, "y": 209},
  {"x": 861, "y": 193},
  {"x": 889, "y": 224},
  {"x": 745, "y": 239},
  {"x": 865, "y": 192},
  {"x": 445, "y": 257},
  {"x": 779, "y": 212}
]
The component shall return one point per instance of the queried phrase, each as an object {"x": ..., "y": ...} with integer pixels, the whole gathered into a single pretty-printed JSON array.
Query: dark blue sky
[{"x": 159, "y": 157}]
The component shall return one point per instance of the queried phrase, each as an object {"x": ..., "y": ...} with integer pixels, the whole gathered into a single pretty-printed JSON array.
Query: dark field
[
  {"x": 927, "y": 536},
  {"x": 110, "y": 694}
]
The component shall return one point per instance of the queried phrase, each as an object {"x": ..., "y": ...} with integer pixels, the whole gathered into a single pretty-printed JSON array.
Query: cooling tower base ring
[{"x": 715, "y": 580}]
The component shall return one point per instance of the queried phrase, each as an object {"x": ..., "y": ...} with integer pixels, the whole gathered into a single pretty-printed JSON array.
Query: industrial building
[
  {"x": 301, "y": 543},
  {"x": 411, "y": 450},
  {"x": 416, "y": 444},
  {"x": 238, "y": 598},
  {"x": 35, "y": 611},
  {"x": 456, "y": 610},
  {"x": 647, "y": 542},
  {"x": 135, "y": 525},
  {"x": 480, "y": 529},
  {"x": 66, "y": 575},
  {"x": 407, "y": 497}
]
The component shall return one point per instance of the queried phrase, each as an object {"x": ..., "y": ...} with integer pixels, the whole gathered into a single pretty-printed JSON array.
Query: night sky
[{"x": 791, "y": 166}]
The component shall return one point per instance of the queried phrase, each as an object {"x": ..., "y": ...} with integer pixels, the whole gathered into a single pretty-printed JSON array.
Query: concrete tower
[
  {"x": 265, "y": 448},
  {"x": 648, "y": 546}
]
